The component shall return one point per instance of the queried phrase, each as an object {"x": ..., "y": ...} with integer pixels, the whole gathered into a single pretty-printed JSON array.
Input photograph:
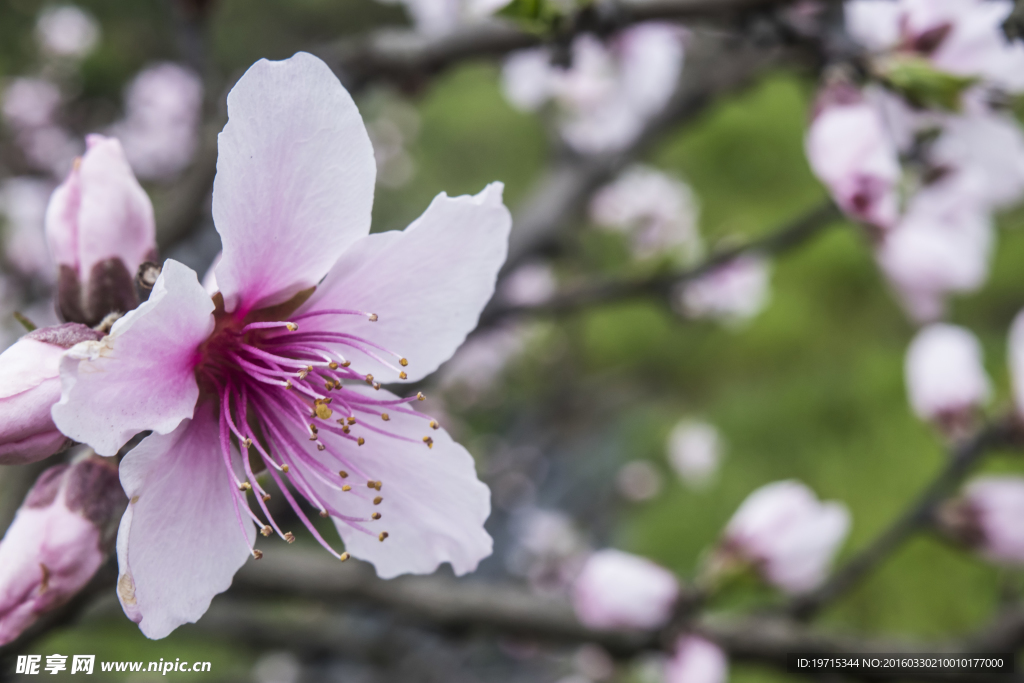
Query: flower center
[{"x": 286, "y": 400}]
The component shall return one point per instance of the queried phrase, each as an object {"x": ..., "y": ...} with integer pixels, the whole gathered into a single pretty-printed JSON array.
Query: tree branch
[
  {"x": 407, "y": 57},
  {"x": 918, "y": 515},
  {"x": 790, "y": 236},
  {"x": 456, "y": 606}
]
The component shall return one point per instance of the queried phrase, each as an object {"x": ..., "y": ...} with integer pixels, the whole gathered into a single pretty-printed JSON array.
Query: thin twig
[
  {"x": 662, "y": 285},
  {"x": 407, "y": 57},
  {"x": 917, "y": 516}
]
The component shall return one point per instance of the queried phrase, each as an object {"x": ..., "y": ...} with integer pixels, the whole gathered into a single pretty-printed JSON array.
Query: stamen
[
  {"x": 429, "y": 441},
  {"x": 375, "y": 515},
  {"x": 343, "y": 474},
  {"x": 291, "y": 327},
  {"x": 344, "y": 556},
  {"x": 266, "y": 530},
  {"x": 257, "y": 554},
  {"x": 382, "y": 536},
  {"x": 377, "y": 500}
]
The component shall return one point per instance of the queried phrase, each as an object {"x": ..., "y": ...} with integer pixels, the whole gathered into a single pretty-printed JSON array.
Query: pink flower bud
[
  {"x": 619, "y": 590},
  {"x": 29, "y": 386},
  {"x": 57, "y": 541},
  {"x": 734, "y": 292},
  {"x": 787, "y": 535},
  {"x": 988, "y": 518},
  {"x": 854, "y": 155},
  {"x": 697, "y": 660},
  {"x": 100, "y": 228},
  {"x": 945, "y": 376}
]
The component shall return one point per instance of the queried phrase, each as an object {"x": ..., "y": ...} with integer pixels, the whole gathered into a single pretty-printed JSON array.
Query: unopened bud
[
  {"x": 29, "y": 387},
  {"x": 58, "y": 540},
  {"x": 100, "y": 228},
  {"x": 987, "y": 518}
]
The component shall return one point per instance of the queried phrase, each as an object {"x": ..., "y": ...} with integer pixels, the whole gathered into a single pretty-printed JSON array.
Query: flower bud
[
  {"x": 946, "y": 380},
  {"x": 619, "y": 590},
  {"x": 100, "y": 227},
  {"x": 29, "y": 386},
  {"x": 57, "y": 541},
  {"x": 697, "y": 660},
  {"x": 853, "y": 154},
  {"x": 988, "y": 518},
  {"x": 785, "y": 535}
]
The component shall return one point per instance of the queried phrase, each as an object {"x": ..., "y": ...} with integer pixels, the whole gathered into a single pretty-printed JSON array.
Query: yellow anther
[
  {"x": 385, "y": 417},
  {"x": 313, "y": 437},
  {"x": 375, "y": 515},
  {"x": 323, "y": 412},
  {"x": 284, "y": 468},
  {"x": 327, "y": 401},
  {"x": 312, "y": 427},
  {"x": 371, "y": 484},
  {"x": 292, "y": 327},
  {"x": 369, "y": 380},
  {"x": 430, "y": 442},
  {"x": 402, "y": 375},
  {"x": 360, "y": 441},
  {"x": 343, "y": 474},
  {"x": 344, "y": 556},
  {"x": 434, "y": 425},
  {"x": 266, "y": 530},
  {"x": 321, "y": 447},
  {"x": 332, "y": 365},
  {"x": 303, "y": 373},
  {"x": 377, "y": 500},
  {"x": 325, "y": 514},
  {"x": 288, "y": 384},
  {"x": 377, "y": 484},
  {"x": 403, "y": 362},
  {"x": 373, "y": 317},
  {"x": 346, "y": 429},
  {"x": 245, "y": 486},
  {"x": 376, "y": 386},
  {"x": 382, "y": 536},
  {"x": 257, "y": 554},
  {"x": 289, "y": 536},
  {"x": 247, "y": 443},
  {"x": 420, "y": 396},
  {"x": 351, "y": 420},
  {"x": 266, "y": 497},
  {"x": 346, "y": 487},
  {"x": 346, "y": 363}
]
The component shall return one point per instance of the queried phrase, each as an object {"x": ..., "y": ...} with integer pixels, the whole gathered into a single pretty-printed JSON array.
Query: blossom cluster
[{"x": 925, "y": 151}]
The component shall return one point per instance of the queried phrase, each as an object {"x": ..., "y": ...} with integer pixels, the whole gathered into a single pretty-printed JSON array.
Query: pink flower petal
[
  {"x": 619, "y": 590},
  {"x": 427, "y": 284},
  {"x": 141, "y": 376},
  {"x": 179, "y": 543},
  {"x": 433, "y": 506},
  {"x": 295, "y": 179}
]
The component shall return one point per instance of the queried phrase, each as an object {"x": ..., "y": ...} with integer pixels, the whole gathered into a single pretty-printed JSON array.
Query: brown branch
[
  {"x": 917, "y": 516},
  {"x": 797, "y": 233},
  {"x": 456, "y": 605},
  {"x": 407, "y": 57}
]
